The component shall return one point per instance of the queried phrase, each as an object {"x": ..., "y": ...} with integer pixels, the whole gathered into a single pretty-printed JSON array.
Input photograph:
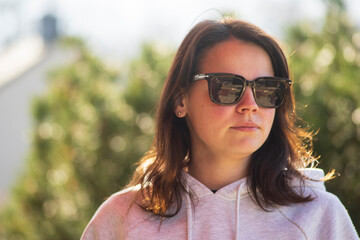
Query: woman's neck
[{"x": 216, "y": 173}]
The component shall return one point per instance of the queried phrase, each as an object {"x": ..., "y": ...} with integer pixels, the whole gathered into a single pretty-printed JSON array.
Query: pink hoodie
[{"x": 227, "y": 214}]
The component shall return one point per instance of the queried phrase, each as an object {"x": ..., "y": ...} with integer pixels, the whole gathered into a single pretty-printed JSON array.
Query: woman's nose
[{"x": 247, "y": 102}]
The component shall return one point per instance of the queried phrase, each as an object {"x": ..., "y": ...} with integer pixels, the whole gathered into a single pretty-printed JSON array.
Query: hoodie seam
[
  {"x": 135, "y": 225},
  {"x": 293, "y": 222}
]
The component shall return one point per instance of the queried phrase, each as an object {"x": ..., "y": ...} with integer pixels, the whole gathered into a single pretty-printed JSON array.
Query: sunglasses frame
[{"x": 208, "y": 77}]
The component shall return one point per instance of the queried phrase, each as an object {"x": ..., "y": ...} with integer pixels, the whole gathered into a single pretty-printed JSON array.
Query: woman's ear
[{"x": 180, "y": 105}]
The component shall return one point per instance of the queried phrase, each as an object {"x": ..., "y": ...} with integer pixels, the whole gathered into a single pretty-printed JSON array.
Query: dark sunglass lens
[
  {"x": 270, "y": 92},
  {"x": 225, "y": 90}
]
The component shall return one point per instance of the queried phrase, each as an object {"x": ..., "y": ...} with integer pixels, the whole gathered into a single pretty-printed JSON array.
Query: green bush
[
  {"x": 87, "y": 136},
  {"x": 326, "y": 68}
]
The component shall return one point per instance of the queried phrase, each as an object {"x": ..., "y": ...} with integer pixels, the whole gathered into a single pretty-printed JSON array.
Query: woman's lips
[{"x": 246, "y": 127}]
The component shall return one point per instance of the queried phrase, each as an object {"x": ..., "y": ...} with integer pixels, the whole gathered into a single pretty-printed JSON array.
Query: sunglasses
[{"x": 228, "y": 89}]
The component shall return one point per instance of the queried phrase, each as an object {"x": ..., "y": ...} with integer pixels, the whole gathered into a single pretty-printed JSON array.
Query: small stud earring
[{"x": 179, "y": 113}]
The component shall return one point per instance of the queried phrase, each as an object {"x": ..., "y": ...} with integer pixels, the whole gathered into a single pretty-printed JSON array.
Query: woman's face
[{"x": 234, "y": 131}]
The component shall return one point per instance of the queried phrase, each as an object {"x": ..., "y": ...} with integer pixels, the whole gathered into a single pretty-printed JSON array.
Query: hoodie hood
[
  {"x": 239, "y": 189},
  {"x": 313, "y": 180},
  {"x": 228, "y": 192}
]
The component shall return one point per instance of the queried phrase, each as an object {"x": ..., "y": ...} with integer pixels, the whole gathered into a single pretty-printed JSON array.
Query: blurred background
[{"x": 79, "y": 81}]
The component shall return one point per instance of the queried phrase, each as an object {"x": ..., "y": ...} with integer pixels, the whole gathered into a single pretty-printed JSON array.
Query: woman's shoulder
[
  {"x": 119, "y": 202},
  {"x": 313, "y": 185},
  {"x": 124, "y": 196},
  {"x": 115, "y": 214},
  {"x": 325, "y": 215}
]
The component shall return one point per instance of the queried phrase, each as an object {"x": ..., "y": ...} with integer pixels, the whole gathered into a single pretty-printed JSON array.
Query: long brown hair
[{"x": 287, "y": 148}]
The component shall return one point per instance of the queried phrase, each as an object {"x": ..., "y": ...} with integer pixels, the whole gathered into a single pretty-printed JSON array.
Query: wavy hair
[{"x": 287, "y": 148}]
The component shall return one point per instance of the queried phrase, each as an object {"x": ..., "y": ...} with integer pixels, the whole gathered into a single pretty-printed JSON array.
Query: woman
[{"x": 228, "y": 159}]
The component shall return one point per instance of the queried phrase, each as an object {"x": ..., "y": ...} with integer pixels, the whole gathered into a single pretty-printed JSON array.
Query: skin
[{"x": 223, "y": 138}]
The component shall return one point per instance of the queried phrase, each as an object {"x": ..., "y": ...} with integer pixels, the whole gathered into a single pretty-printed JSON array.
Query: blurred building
[{"x": 24, "y": 64}]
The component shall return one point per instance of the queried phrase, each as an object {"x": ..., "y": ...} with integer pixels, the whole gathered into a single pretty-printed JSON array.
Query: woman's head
[
  {"x": 281, "y": 147},
  {"x": 203, "y": 37},
  {"x": 222, "y": 132}
]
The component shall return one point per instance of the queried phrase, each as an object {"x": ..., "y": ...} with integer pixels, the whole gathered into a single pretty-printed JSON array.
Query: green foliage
[
  {"x": 87, "y": 137},
  {"x": 143, "y": 76},
  {"x": 326, "y": 69}
]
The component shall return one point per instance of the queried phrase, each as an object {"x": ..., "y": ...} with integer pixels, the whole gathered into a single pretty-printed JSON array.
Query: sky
[{"x": 117, "y": 28}]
